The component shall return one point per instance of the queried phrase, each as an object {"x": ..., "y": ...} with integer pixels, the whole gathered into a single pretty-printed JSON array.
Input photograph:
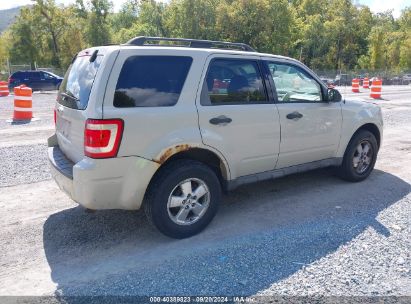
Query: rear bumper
[
  {"x": 113, "y": 183},
  {"x": 61, "y": 170}
]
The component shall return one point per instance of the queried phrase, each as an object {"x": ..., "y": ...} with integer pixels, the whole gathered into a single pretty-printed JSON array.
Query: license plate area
[{"x": 63, "y": 127}]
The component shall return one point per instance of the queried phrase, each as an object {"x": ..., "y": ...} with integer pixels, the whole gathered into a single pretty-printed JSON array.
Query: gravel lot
[
  {"x": 306, "y": 234},
  {"x": 23, "y": 165}
]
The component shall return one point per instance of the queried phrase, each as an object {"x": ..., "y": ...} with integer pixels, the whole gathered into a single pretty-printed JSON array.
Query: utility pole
[
  {"x": 301, "y": 52},
  {"x": 8, "y": 67}
]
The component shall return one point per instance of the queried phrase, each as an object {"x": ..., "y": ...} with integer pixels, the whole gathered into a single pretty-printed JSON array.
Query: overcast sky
[{"x": 375, "y": 5}]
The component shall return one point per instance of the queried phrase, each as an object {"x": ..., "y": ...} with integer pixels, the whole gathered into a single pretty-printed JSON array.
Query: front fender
[{"x": 355, "y": 115}]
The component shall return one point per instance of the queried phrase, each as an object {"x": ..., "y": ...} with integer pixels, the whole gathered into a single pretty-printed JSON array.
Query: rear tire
[
  {"x": 183, "y": 198},
  {"x": 359, "y": 157}
]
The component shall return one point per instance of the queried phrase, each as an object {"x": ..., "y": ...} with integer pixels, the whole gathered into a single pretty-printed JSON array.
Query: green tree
[
  {"x": 143, "y": 17},
  {"x": 264, "y": 24},
  {"x": 192, "y": 19},
  {"x": 376, "y": 48},
  {"x": 405, "y": 53},
  {"x": 72, "y": 39},
  {"x": 26, "y": 41},
  {"x": 324, "y": 34},
  {"x": 50, "y": 19},
  {"x": 5, "y": 42},
  {"x": 98, "y": 27},
  {"x": 126, "y": 17},
  {"x": 405, "y": 40}
]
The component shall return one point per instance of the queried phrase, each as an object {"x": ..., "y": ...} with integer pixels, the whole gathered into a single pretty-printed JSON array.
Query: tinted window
[
  {"x": 76, "y": 87},
  {"x": 294, "y": 84},
  {"x": 233, "y": 81},
  {"x": 34, "y": 75},
  {"x": 151, "y": 81},
  {"x": 18, "y": 75}
]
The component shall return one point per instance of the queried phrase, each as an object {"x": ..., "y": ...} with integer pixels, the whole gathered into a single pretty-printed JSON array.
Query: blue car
[{"x": 37, "y": 80}]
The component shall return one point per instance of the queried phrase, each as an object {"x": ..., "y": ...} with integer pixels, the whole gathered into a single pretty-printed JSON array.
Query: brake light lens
[
  {"x": 102, "y": 137},
  {"x": 55, "y": 116}
]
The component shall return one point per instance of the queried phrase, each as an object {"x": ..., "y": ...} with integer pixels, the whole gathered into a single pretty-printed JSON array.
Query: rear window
[
  {"x": 17, "y": 75},
  {"x": 151, "y": 81},
  {"x": 76, "y": 87}
]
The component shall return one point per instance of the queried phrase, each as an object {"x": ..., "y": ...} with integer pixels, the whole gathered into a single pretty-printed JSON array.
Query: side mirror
[{"x": 333, "y": 95}]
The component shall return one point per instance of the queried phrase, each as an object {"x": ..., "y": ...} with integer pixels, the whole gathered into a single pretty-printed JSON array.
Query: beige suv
[{"x": 167, "y": 124}]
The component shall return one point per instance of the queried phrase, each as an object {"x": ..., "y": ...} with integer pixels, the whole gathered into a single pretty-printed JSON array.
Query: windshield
[{"x": 78, "y": 81}]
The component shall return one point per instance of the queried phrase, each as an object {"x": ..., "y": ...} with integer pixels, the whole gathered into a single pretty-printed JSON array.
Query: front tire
[
  {"x": 183, "y": 198},
  {"x": 360, "y": 157}
]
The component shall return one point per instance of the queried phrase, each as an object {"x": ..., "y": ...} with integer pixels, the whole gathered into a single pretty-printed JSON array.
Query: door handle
[
  {"x": 294, "y": 115},
  {"x": 220, "y": 120}
]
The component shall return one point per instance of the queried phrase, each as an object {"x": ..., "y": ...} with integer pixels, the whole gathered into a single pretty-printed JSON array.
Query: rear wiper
[{"x": 65, "y": 95}]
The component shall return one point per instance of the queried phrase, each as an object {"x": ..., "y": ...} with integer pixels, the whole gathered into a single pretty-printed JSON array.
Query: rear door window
[
  {"x": 233, "y": 81},
  {"x": 151, "y": 81},
  {"x": 76, "y": 87},
  {"x": 34, "y": 75}
]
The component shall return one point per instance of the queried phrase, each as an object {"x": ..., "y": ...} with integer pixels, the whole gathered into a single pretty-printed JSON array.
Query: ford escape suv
[{"x": 167, "y": 124}]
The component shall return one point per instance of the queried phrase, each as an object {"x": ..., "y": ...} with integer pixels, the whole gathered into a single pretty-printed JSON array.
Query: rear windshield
[
  {"x": 17, "y": 74},
  {"x": 78, "y": 81}
]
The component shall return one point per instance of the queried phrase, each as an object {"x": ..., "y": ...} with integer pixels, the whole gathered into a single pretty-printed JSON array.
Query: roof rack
[{"x": 193, "y": 43}]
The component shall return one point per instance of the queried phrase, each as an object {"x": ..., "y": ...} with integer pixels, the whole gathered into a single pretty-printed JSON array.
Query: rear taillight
[
  {"x": 102, "y": 137},
  {"x": 55, "y": 116}
]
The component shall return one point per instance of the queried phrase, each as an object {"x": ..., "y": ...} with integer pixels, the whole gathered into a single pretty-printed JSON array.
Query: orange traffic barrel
[
  {"x": 376, "y": 88},
  {"x": 355, "y": 85},
  {"x": 4, "y": 88},
  {"x": 366, "y": 83},
  {"x": 23, "y": 103}
]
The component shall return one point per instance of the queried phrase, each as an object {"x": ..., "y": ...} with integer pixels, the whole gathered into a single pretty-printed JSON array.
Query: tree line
[{"x": 324, "y": 34}]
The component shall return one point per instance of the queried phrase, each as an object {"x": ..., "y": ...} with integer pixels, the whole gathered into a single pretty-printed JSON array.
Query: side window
[
  {"x": 294, "y": 84},
  {"x": 34, "y": 75},
  {"x": 233, "y": 81},
  {"x": 151, "y": 81},
  {"x": 46, "y": 76}
]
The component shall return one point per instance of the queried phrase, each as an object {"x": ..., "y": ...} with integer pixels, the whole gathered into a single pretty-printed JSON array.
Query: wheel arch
[
  {"x": 371, "y": 128},
  {"x": 206, "y": 156},
  {"x": 346, "y": 170}
]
